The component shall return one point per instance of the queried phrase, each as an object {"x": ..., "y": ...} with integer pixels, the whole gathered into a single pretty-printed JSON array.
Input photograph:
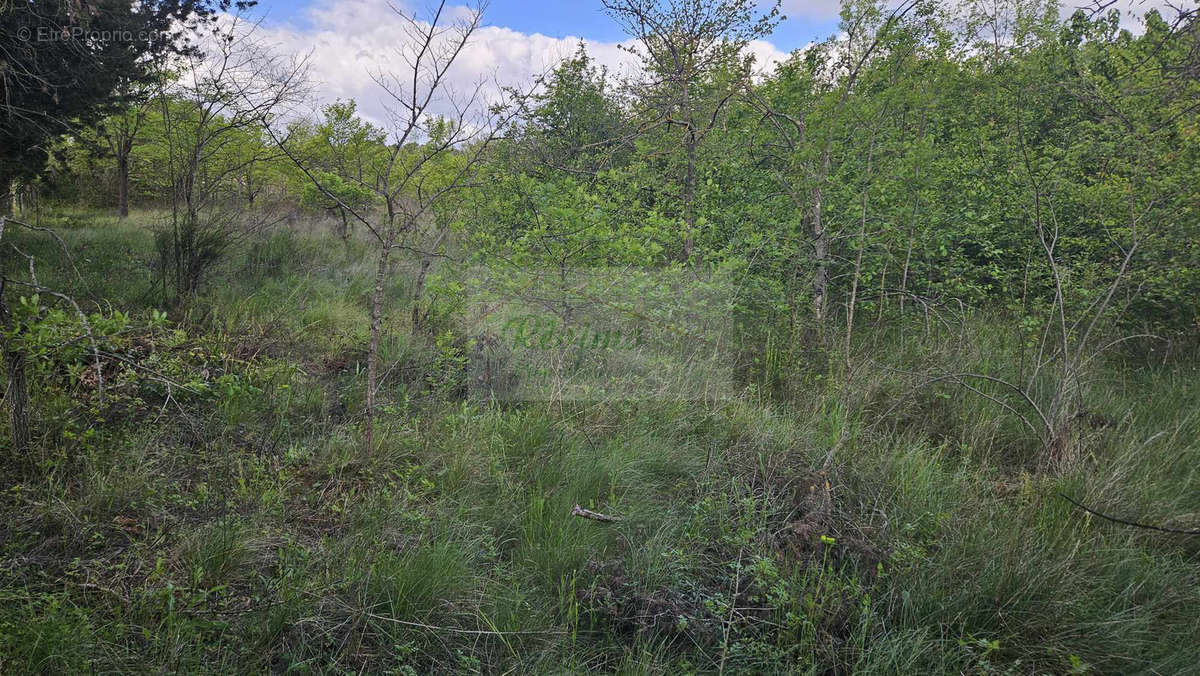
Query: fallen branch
[
  {"x": 473, "y": 632},
  {"x": 595, "y": 516},
  {"x": 1123, "y": 522}
]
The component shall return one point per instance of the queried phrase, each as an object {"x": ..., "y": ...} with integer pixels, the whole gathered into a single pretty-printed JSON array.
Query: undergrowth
[{"x": 212, "y": 511}]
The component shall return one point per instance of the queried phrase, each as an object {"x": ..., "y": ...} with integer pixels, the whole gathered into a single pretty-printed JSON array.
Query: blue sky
[
  {"x": 350, "y": 46},
  {"x": 346, "y": 44},
  {"x": 806, "y": 20}
]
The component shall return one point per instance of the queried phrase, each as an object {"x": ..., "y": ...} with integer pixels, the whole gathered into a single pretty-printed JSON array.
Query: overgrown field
[{"x": 835, "y": 514}]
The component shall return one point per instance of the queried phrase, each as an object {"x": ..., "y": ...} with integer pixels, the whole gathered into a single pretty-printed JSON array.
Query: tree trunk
[
  {"x": 904, "y": 274},
  {"x": 18, "y": 399},
  {"x": 6, "y": 194},
  {"x": 689, "y": 199},
  {"x": 418, "y": 320},
  {"x": 689, "y": 176},
  {"x": 820, "y": 283},
  {"x": 17, "y": 393},
  {"x": 882, "y": 292},
  {"x": 373, "y": 349},
  {"x": 122, "y": 184},
  {"x": 862, "y": 244}
]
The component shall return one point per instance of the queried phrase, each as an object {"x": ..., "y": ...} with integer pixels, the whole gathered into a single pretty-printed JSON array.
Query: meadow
[
  {"x": 405, "y": 342},
  {"x": 216, "y": 514}
]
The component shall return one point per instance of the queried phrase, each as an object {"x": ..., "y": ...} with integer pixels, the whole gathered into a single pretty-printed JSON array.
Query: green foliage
[
  {"x": 334, "y": 194},
  {"x": 1006, "y": 212},
  {"x": 65, "y": 65},
  {"x": 229, "y": 520},
  {"x": 575, "y": 122}
]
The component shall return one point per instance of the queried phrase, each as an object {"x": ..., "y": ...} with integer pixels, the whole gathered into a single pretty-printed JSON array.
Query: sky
[
  {"x": 348, "y": 43},
  {"x": 806, "y": 21}
]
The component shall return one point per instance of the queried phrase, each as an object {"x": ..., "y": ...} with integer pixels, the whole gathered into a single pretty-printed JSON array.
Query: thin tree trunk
[
  {"x": 7, "y": 195},
  {"x": 689, "y": 199},
  {"x": 419, "y": 291},
  {"x": 912, "y": 226},
  {"x": 882, "y": 291},
  {"x": 418, "y": 319},
  {"x": 689, "y": 175},
  {"x": 904, "y": 275},
  {"x": 373, "y": 349},
  {"x": 17, "y": 393},
  {"x": 820, "y": 237},
  {"x": 123, "y": 183},
  {"x": 862, "y": 244},
  {"x": 18, "y": 399}
]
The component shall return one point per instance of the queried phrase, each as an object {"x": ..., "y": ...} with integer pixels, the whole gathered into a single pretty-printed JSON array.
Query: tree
[
  {"x": 337, "y": 196},
  {"x": 212, "y": 121},
  {"x": 574, "y": 124},
  {"x": 552, "y": 188},
  {"x": 121, "y": 131},
  {"x": 691, "y": 52},
  {"x": 341, "y": 144},
  {"x": 63, "y": 64},
  {"x": 1089, "y": 225},
  {"x": 818, "y": 85},
  {"x": 66, "y": 63},
  {"x": 429, "y": 157}
]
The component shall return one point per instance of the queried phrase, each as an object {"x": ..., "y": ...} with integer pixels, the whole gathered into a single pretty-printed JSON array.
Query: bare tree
[
  {"x": 211, "y": 115},
  {"x": 436, "y": 142}
]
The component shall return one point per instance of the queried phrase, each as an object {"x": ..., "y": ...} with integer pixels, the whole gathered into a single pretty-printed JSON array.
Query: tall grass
[{"x": 826, "y": 519}]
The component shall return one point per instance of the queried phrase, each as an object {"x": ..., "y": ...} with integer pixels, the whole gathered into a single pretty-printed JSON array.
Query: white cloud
[
  {"x": 766, "y": 55},
  {"x": 350, "y": 41},
  {"x": 812, "y": 10}
]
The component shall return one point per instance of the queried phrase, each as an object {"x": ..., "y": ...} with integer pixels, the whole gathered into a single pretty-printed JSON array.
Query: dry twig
[{"x": 595, "y": 516}]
